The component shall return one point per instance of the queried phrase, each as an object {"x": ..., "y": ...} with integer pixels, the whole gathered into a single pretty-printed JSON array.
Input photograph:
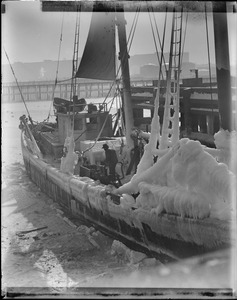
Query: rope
[
  {"x": 131, "y": 36},
  {"x": 56, "y": 79},
  {"x": 75, "y": 65},
  {"x": 80, "y": 135},
  {"x": 157, "y": 54},
  {"x": 18, "y": 87},
  {"x": 164, "y": 30},
  {"x": 180, "y": 45},
  {"x": 133, "y": 28},
  {"x": 162, "y": 46},
  {"x": 157, "y": 98},
  {"x": 75, "y": 56},
  {"x": 184, "y": 39},
  {"x": 208, "y": 53},
  {"x": 118, "y": 98},
  {"x": 64, "y": 80}
]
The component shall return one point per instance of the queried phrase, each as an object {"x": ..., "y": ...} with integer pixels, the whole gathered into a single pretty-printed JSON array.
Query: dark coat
[{"x": 111, "y": 157}]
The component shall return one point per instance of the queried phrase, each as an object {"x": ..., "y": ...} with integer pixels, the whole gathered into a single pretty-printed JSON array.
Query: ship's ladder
[{"x": 170, "y": 126}]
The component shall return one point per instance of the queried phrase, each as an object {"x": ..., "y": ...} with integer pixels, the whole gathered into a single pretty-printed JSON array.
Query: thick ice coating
[
  {"x": 187, "y": 181},
  {"x": 69, "y": 162}
]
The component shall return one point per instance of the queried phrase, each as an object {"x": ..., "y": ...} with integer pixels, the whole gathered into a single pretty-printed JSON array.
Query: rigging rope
[
  {"x": 18, "y": 86},
  {"x": 157, "y": 54},
  {"x": 180, "y": 44},
  {"x": 164, "y": 30},
  {"x": 57, "y": 69},
  {"x": 131, "y": 36},
  {"x": 157, "y": 32},
  {"x": 75, "y": 56},
  {"x": 133, "y": 28},
  {"x": 209, "y": 62},
  {"x": 157, "y": 98},
  {"x": 75, "y": 65},
  {"x": 64, "y": 80},
  {"x": 185, "y": 30}
]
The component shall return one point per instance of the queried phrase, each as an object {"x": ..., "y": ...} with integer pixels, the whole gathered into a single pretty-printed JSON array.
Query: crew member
[{"x": 110, "y": 159}]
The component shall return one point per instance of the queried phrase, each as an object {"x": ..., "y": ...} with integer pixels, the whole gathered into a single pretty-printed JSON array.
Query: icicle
[
  {"x": 155, "y": 174},
  {"x": 69, "y": 161},
  {"x": 175, "y": 121},
  {"x": 31, "y": 141},
  {"x": 147, "y": 158},
  {"x": 165, "y": 127}
]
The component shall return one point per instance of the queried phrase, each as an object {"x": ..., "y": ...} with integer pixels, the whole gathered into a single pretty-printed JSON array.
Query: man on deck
[{"x": 110, "y": 159}]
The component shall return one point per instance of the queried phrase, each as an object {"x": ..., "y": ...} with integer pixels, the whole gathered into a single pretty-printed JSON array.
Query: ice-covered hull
[{"x": 165, "y": 236}]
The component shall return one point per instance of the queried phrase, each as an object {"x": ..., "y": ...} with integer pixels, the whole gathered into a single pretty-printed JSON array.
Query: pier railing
[
  {"x": 43, "y": 90},
  {"x": 198, "y": 101}
]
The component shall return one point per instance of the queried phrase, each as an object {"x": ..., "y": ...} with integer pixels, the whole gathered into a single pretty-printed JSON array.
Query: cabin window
[
  {"x": 92, "y": 120},
  {"x": 91, "y": 124},
  {"x": 147, "y": 113}
]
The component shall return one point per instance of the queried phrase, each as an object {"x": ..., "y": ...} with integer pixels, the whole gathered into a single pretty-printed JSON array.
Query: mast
[
  {"x": 222, "y": 64},
  {"x": 73, "y": 96},
  {"x": 123, "y": 56},
  {"x": 75, "y": 59}
]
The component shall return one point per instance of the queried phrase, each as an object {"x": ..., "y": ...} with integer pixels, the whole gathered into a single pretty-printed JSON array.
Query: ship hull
[{"x": 166, "y": 237}]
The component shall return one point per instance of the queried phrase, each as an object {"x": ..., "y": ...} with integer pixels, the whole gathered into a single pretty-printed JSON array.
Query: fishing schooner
[{"x": 176, "y": 200}]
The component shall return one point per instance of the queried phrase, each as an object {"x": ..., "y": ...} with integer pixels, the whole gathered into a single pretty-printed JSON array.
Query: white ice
[
  {"x": 69, "y": 162},
  {"x": 187, "y": 181}
]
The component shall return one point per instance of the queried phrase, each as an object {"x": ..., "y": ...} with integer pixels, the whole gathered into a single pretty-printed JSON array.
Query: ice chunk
[
  {"x": 226, "y": 142},
  {"x": 126, "y": 255},
  {"x": 127, "y": 201}
]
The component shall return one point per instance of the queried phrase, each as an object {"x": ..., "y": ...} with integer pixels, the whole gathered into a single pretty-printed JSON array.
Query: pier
[
  {"x": 199, "y": 107},
  {"x": 44, "y": 90},
  {"x": 199, "y": 111}
]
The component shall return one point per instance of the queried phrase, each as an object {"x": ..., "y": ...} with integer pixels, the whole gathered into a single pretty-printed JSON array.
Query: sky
[{"x": 30, "y": 35}]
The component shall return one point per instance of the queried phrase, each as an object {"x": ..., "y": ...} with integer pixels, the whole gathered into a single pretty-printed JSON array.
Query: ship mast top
[{"x": 123, "y": 56}]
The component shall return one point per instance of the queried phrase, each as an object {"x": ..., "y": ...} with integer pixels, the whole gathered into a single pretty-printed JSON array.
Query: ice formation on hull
[
  {"x": 69, "y": 161},
  {"x": 186, "y": 181}
]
